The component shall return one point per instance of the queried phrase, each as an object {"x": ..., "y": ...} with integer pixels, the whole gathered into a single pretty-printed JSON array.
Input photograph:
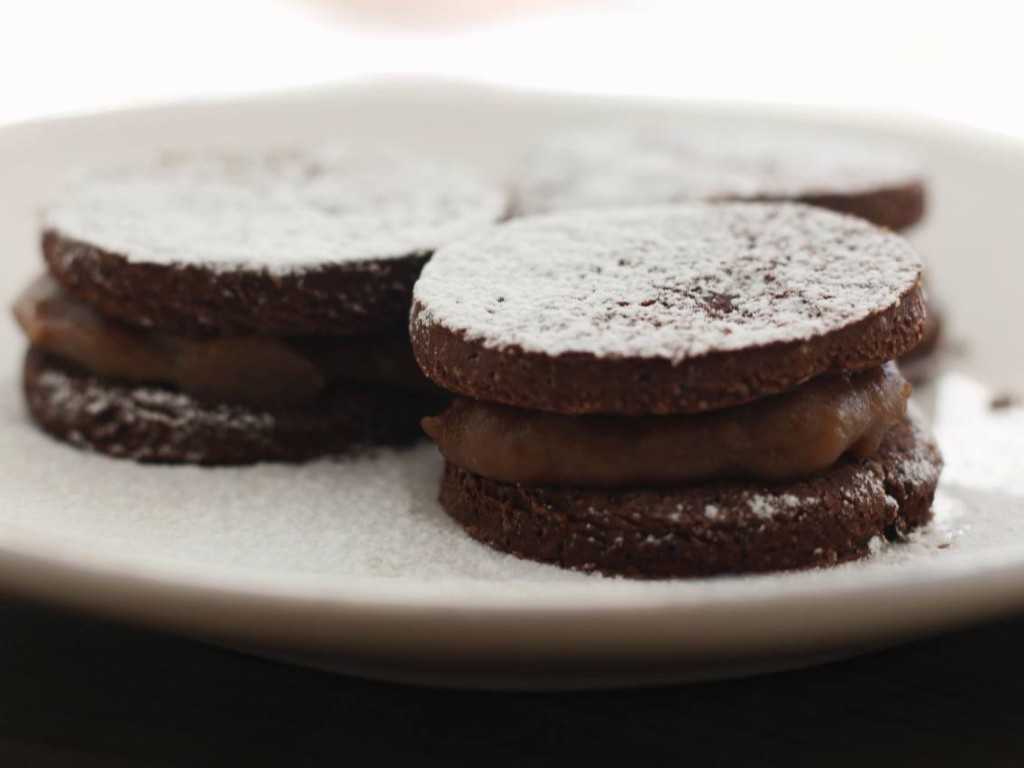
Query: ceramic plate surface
[{"x": 350, "y": 565}]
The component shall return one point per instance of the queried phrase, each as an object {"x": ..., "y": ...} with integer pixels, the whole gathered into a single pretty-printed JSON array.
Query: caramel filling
[
  {"x": 235, "y": 369},
  {"x": 783, "y": 437}
]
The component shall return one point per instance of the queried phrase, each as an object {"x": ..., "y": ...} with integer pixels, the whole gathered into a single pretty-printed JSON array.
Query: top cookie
[
  {"x": 323, "y": 241},
  {"x": 670, "y": 161},
  {"x": 673, "y": 309}
]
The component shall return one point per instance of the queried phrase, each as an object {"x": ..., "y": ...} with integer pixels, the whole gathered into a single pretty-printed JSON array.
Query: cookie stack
[
  {"x": 232, "y": 309},
  {"x": 650, "y": 391},
  {"x": 678, "y": 391}
]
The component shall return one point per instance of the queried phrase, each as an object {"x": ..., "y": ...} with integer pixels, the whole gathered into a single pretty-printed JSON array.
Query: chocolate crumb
[{"x": 1004, "y": 400}]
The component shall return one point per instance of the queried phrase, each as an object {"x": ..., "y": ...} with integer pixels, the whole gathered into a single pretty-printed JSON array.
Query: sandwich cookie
[
  {"x": 232, "y": 309},
  {"x": 678, "y": 391}
]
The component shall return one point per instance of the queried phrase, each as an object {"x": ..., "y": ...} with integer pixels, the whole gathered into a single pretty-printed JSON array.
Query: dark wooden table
[{"x": 76, "y": 691}]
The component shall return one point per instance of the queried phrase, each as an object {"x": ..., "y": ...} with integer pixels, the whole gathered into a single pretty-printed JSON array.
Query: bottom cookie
[
  {"x": 708, "y": 529},
  {"x": 155, "y": 424}
]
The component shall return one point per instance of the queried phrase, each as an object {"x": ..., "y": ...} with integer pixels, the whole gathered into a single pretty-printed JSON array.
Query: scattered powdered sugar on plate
[
  {"x": 966, "y": 421},
  {"x": 670, "y": 161},
  {"x": 277, "y": 211},
  {"x": 376, "y": 517},
  {"x": 669, "y": 282}
]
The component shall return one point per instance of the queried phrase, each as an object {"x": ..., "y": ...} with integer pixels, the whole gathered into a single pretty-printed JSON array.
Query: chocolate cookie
[
  {"x": 229, "y": 309},
  {"x": 705, "y": 529},
  {"x": 678, "y": 391},
  {"x": 664, "y": 310},
  {"x": 154, "y": 424},
  {"x": 671, "y": 161},
  {"x": 323, "y": 242}
]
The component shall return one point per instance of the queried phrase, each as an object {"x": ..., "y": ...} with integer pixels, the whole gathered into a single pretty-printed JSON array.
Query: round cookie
[
  {"x": 703, "y": 530},
  {"x": 671, "y": 161},
  {"x": 324, "y": 242},
  {"x": 674, "y": 309},
  {"x": 153, "y": 424}
]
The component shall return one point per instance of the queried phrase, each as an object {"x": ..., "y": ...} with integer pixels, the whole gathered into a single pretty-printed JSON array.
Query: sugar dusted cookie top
[
  {"x": 326, "y": 241},
  {"x": 672, "y": 160},
  {"x": 280, "y": 211},
  {"x": 668, "y": 309}
]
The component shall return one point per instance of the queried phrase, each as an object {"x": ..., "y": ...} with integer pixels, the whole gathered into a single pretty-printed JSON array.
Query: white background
[{"x": 958, "y": 60}]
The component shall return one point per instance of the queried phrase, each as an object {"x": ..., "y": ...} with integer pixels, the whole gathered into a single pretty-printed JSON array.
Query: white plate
[{"x": 351, "y": 565}]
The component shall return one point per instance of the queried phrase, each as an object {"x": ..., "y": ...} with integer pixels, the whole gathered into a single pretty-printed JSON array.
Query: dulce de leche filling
[
  {"x": 234, "y": 369},
  {"x": 786, "y": 436}
]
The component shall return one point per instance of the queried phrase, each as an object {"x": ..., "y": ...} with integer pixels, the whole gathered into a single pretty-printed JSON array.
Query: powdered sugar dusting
[
  {"x": 984, "y": 448},
  {"x": 669, "y": 282},
  {"x": 278, "y": 211},
  {"x": 377, "y": 516},
  {"x": 644, "y": 163},
  {"x": 66, "y": 399},
  {"x": 766, "y": 506}
]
